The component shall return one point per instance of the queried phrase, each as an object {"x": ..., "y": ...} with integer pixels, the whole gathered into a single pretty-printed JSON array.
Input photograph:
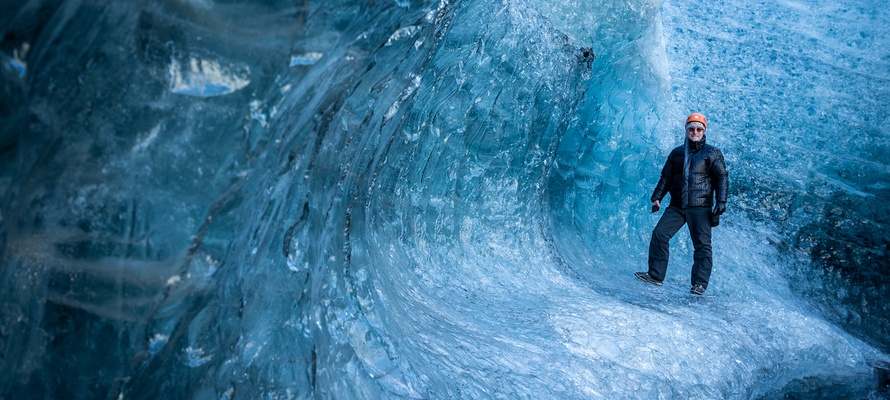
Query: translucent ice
[{"x": 437, "y": 199}]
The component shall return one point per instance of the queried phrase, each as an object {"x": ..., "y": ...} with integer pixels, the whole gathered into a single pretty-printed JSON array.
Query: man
[{"x": 694, "y": 174}]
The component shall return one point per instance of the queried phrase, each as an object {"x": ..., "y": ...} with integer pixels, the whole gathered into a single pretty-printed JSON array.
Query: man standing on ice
[{"x": 694, "y": 175}]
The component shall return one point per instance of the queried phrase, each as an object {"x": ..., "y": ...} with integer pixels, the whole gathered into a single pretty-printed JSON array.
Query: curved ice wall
[{"x": 403, "y": 199}]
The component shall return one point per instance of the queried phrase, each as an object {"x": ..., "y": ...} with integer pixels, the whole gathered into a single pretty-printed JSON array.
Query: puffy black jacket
[{"x": 706, "y": 177}]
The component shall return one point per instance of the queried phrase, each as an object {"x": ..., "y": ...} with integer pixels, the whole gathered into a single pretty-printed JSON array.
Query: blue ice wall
[
  {"x": 436, "y": 199},
  {"x": 799, "y": 91}
]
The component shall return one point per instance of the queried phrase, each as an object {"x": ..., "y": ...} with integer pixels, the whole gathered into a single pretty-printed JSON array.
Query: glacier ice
[
  {"x": 206, "y": 78},
  {"x": 437, "y": 199}
]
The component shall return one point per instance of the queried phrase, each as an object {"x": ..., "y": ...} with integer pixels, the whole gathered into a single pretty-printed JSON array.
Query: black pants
[{"x": 699, "y": 223}]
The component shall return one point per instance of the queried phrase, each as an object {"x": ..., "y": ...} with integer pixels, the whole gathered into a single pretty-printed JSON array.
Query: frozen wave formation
[{"x": 437, "y": 199}]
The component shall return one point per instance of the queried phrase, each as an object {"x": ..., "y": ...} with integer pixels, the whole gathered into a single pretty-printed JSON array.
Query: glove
[
  {"x": 656, "y": 206},
  {"x": 719, "y": 209}
]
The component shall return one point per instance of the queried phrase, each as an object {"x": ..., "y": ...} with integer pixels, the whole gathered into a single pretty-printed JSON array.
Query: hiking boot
[
  {"x": 644, "y": 276},
  {"x": 697, "y": 289}
]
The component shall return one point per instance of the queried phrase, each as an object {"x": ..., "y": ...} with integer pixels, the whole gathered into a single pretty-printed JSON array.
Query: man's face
[{"x": 695, "y": 133}]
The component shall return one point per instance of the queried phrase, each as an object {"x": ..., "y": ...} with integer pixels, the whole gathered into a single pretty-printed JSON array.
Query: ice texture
[{"x": 437, "y": 199}]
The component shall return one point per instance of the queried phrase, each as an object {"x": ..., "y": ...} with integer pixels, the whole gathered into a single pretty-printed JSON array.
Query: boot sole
[{"x": 652, "y": 281}]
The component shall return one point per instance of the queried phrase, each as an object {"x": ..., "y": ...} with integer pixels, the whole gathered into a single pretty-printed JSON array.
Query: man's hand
[
  {"x": 656, "y": 205},
  {"x": 719, "y": 208}
]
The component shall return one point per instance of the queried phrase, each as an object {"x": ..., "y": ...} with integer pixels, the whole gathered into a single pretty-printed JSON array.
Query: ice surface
[
  {"x": 437, "y": 199},
  {"x": 206, "y": 78}
]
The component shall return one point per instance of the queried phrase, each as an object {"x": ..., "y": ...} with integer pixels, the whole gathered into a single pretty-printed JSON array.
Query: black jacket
[{"x": 705, "y": 179}]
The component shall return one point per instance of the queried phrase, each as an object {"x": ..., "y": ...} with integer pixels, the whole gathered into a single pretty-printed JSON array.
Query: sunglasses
[{"x": 695, "y": 129}]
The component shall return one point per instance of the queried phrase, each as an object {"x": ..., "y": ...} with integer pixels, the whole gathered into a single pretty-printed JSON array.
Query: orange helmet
[{"x": 697, "y": 117}]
